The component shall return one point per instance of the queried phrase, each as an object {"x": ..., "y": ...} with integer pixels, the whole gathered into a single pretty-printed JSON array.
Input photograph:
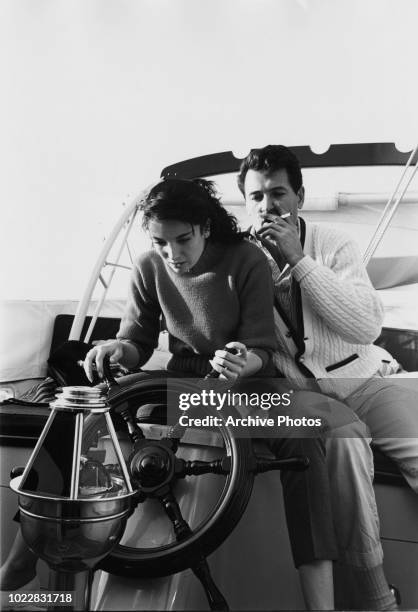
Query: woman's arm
[
  {"x": 256, "y": 327},
  {"x": 255, "y": 334},
  {"x": 140, "y": 324}
]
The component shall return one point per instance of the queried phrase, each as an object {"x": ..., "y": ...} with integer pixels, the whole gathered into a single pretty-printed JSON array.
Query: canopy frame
[{"x": 337, "y": 155}]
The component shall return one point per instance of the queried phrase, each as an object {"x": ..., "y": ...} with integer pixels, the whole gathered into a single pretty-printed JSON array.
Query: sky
[{"x": 100, "y": 95}]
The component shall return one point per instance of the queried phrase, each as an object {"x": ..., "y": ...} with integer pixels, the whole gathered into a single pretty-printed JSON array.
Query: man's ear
[{"x": 301, "y": 197}]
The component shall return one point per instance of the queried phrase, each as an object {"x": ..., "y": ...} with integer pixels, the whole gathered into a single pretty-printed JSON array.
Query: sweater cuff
[
  {"x": 303, "y": 267},
  {"x": 143, "y": 356}
]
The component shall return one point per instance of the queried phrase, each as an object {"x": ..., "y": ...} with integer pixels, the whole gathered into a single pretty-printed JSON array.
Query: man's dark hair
[{"x": 270, "y": 159}]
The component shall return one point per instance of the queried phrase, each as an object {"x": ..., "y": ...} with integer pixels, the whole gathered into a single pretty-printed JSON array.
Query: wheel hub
[{"x": 151, "y": 465}]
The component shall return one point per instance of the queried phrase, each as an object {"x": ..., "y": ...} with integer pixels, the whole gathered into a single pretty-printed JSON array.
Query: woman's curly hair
[{"x": 192, "y": 201}]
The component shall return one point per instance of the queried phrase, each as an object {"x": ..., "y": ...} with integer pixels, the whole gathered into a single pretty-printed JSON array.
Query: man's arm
[{"x": 340, "y": 292}]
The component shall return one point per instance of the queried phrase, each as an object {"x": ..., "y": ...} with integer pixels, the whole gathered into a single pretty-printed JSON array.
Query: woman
[
  {"x": 211, "y": 286},
  {"x": 213, "y": 289}
]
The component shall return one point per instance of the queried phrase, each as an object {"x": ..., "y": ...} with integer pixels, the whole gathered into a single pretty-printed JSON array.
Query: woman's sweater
[{"x": 226, "y": 296}]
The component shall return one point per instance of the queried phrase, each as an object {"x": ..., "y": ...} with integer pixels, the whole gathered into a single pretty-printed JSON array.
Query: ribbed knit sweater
[
  {"x": 341, "y": 313},
  {"x": 226, "y": 296}
]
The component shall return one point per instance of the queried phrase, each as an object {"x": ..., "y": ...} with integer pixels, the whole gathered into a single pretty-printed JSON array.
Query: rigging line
[
  {"x": 367, "y": 255},
  {"x": 385, "y": 223},
  {"x": 109, "y": 280},
  {"x": 102, "y": 280},
  {"x": 375, "y": 239},
  {"x": 128, "y": 248},
  {"x": 115, "y": 265}
]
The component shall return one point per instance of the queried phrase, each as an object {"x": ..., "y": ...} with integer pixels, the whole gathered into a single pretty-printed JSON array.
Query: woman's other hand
[{"x": 228, "y": 364}]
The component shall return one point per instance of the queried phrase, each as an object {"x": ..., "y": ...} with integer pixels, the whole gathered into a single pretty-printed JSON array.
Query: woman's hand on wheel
[
  {"x": 114, "y": 349},
  {"x": 228, "y": 364}
]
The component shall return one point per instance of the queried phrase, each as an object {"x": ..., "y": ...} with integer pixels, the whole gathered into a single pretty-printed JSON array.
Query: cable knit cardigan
[{"x": 342, "y": 316}]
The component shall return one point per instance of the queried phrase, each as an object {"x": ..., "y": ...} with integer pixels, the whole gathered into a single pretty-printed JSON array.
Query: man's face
[{"x": 271, "y": 194}]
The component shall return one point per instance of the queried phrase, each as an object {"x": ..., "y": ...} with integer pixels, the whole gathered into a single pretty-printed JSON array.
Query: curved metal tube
[
  {"x": 389, "y": 210},
  {"x": 82, "y": 308}
]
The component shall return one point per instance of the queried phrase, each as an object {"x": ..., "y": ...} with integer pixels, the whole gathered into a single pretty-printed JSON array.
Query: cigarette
[{"x": 285, "y": 216}]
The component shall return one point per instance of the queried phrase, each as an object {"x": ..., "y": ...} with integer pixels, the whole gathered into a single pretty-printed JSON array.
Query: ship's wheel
[
  {"x": 169, "y": 532},
  {"x": 193, "y": 485}
]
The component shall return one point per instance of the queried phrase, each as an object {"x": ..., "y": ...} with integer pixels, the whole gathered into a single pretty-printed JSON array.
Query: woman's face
[{"x": 179, "y": 244}]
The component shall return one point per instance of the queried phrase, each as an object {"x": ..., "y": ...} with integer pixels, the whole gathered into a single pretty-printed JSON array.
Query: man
[{"x": 327, "y": 315}]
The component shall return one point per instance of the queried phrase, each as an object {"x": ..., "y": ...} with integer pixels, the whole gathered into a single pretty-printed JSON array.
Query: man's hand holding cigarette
[{"x": 283, "y": 233}]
